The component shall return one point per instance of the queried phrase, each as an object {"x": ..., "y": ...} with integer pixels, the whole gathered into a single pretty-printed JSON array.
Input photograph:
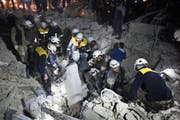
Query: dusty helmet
[
  {"x": 140, "y": 63},
  {"x": 43, "y": 24},
  {"x": 79, "y": 37},
  {"x": 75, "y": 31},
  {"x": 28, "y": 23},
  {"x": 114, "y": 64},
  {"x": 55, "y": 39},
  {"x": 76, "y": 56},
  {"x": 90, "y": 39},
  {"x": 96, "y": 53},
  {"x": 177, "y": 35},
  {"x": 52, "y": 47},
  {"x": 54, "y": 23}
]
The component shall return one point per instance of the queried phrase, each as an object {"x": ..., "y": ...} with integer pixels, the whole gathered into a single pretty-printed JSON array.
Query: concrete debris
[{"x": 140, "y": 40}]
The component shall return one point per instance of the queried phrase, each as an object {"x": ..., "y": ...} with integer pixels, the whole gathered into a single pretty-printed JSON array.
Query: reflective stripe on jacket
[
  {"x": 41, "y": 51},
  {"x": 145, "y": 70},
  {"x": 81, "y": 44}
]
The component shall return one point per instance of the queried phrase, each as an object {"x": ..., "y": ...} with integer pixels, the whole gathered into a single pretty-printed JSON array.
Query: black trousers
[{"x": 157, "y": 106}]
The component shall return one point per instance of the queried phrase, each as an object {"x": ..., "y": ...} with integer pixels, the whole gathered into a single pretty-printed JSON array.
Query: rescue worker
[
  {"x": 118, "y": 19},
  {"x": 108, "y": 12},
  {"x": 158, "y": 95},
  {"x": 30, "y": 30},
  {"x": 43, "y": 34},
  {"x": 40, "y": 63},
  {"x": 55, "y": 30},
  {"x": 18, "y": 40},
  {"x": 177, "y": 35},
  {"x": 115, "y": 77},
  {"x": 68, "y": 34},
  {"x": 52, "y": 58},
  {"x": 98, "y": 68},
  {"x": 92, "y": 46},
  {"x": 118, "y": 53},
  {"x": 56, "y": 35},
  {"x": 77, "y": 43}
]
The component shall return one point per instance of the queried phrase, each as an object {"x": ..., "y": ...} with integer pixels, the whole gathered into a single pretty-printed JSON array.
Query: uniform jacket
[
  {"x": 152, "y": 83},
  {"x": 40, "y": 60},
  {"x": 74, "y": 45}
]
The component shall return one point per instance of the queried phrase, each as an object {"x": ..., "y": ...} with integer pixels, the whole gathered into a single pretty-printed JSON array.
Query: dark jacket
[
  {"x": 152, "y": 83},
  {"x": 114, "y": 80},
  {"x": 40, "y": 60}
]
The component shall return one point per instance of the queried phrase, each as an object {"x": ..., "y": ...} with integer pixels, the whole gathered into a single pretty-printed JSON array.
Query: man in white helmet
[
  {"x": 158, "y": 96},
  {"x": 177, "y": 35},
  {"x": 77, "y": 43},
  {"x": 52, "y": 58},
  {"x": 115, "y": 77},
  {"x": 98, "y": 69}
]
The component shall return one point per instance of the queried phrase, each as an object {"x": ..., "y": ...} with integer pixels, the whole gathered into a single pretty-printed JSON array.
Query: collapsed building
[{"x": 143, "y": 37}]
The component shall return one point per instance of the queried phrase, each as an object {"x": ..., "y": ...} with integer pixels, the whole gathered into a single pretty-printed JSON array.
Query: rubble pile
[{"x": 20, "y": 93}]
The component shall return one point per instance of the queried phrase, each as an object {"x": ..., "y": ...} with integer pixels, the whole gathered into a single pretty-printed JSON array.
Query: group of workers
[{"x": 39, "y": 46}]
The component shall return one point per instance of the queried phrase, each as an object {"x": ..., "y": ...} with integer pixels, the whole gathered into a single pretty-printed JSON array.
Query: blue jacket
[
  {"x": 152, "y": 83},
  {"x": 52, "y": 60},
  {"x": 118, "y": 54}
]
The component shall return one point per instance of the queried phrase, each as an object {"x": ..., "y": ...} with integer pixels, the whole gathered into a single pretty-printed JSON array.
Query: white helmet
[
  {"x": 90, "y": 39},
  {"x": 75, "y": 31},
  {"x": 43, "y": 24},
  {"x": 54, "y": 23},
  {"x": 76, "y": 56},
  {"x": 96, "y": 53},
  {"x": 79, "y": 37},
  {"x": 55, "y": 39},
  {"x": 114, "y": 64},
  {"x": 28, "y": 23},
  {"x": 177, "y": 35},
  {"x": 140, "y": 63},
  {"x": 52, "y": 47}
]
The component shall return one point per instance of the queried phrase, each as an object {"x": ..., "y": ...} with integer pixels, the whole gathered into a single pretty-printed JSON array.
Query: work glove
[
  {"x": 91, "y": 62},
  {"x": 56, "y": 71},
  {"x": 132, "y": 104},
  {"x": 16, "y": 47}
]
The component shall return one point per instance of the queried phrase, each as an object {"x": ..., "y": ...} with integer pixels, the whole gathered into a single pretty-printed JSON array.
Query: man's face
[
  {"x": 99, "y": 58},
  {"x": 116, "y": 69}
]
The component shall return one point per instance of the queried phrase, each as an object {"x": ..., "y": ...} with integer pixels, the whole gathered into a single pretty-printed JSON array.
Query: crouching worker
[
  {"x": 158, "y": 96},
  {"x": 40, "y": 62},
  {"x": 115, "y": 77}
]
